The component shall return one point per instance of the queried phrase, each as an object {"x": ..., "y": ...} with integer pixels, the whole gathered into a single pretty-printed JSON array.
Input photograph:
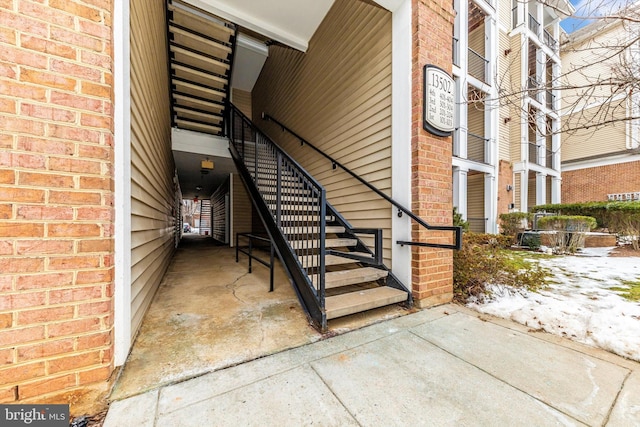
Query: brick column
[
  {"x": 56, "y": 199},
  {"x": 432, "y": 195}
]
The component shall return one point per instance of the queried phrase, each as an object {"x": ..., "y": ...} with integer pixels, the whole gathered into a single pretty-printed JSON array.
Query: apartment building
[
  {"x": 601, "y": 155},
  {"x": 112, "y": 111},
  {"x": 506, "y": 61}
]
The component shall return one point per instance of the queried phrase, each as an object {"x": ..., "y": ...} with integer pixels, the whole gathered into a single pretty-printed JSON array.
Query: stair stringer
[
  {"x": 391, "y": 279},
  {"x": 286, "y": 254}
]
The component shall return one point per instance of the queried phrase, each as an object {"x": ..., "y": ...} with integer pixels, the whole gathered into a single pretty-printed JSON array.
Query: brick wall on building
[
  {"x": 505, "y": 179},
  {"x": 432, "y": 186},
  {"x": 593, "y": 184},
  {"x": 56, "y": 198}
]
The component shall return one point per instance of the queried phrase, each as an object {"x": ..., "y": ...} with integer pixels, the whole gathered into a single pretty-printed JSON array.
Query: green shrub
[
  {"x": 605, "y": 213},
  {"x": 531, "y": 240},
  {"x": 515, "y": 222},
  {"x": 569, "y": 231},
  {"x": 458, "y": 221},
  {"x": 622, "y": 218},
  {"x": 482, "y": 261}
]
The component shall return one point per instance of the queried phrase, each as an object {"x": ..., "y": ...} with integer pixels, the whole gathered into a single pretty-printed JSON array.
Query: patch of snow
[{"x": 580, "y": 305}]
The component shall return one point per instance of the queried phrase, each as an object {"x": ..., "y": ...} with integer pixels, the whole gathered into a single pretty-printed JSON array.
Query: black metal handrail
[
  {"x": 401, "y": 209},
  {"x": 477, "y": 65},
  {"x": 550, "y": 98},
  {"x": 285, "y": 195},
  {"x": 476, "y": 141},
  {"x": 533, "y": 87},
  {"x": 550, "y": 41},
  {"x": 534, "y": 25},
  {"x": 248, "y": 250}
]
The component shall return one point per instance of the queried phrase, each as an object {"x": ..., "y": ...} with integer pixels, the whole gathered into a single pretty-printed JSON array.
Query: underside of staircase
[{"x": 333, "y": 271}]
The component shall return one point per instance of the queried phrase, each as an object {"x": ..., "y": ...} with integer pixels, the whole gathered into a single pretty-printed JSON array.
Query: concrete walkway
[{"x": 444, "y": 366}]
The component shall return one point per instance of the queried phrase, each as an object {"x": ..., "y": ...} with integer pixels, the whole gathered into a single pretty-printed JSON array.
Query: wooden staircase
[{"x": 353, "y": 280}]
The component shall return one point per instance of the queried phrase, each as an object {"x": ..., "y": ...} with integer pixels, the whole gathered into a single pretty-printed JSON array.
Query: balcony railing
[
  {"x": 551, "y": 98},
  {"x": 548, "y": 156},
  {"x": 514, "y": 17},
  {"x": 454, "y": 51},
  {"x": 546, "y": 161},
  {"x": 533, "y": 87},
  {"x": 550, "y": 41},
  {"x": 478, "y": 65},
  {"x": 477, "y": 148},
  {"x": 534, "y": 25}
]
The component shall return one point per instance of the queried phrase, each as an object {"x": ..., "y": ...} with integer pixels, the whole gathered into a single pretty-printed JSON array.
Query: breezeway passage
[{"x": 210, "y": 313}]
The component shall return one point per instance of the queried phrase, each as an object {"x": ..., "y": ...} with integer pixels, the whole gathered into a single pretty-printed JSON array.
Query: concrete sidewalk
[{"x": 443, "y": 366}]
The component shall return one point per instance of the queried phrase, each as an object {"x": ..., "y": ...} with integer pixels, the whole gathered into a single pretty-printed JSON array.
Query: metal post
[
  {"x": 271, "y": 267},
  {"x": 250, "y": 252}
]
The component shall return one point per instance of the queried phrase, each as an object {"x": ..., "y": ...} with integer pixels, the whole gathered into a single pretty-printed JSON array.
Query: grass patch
[{"x": 630, "y": 291}]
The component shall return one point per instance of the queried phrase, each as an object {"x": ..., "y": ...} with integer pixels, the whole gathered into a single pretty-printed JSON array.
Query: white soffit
[
  {"x": 199, "y": 143},
  {"x": 292, "y": 22},
  {"x": 390, "y": 5},
  {"x": 249, "y": 58}
]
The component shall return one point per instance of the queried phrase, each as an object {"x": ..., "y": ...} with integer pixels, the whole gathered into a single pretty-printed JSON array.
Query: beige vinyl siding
[
  {"x": 513, "y": 60},
  {"x": 504, "y": 14},
  {"x": 242, "y": 100},
  {"x": 241, "y": 208},
  {"x": 476, "y": 40},
  {"x": 586, "y": 143},
  {"x": 588, "y": 61},
  {"x": 475, "y": 202},
  {"x": 219, "y": 213},
  {"x": 475, "y": 125},
  {"x": 595, "y": 57},
  {"x": 504, "y": 81},
  {"x": 531, "y": 195},
  {"x": 338, "y": 96},
  {"x": 152, "y": 168}
]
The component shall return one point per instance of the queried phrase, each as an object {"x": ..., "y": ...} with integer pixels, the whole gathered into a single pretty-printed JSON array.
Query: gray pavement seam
[{"x": 495, "y": 377}]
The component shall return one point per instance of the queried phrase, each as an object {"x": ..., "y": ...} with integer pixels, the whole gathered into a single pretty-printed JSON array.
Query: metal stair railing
[
  {"x": 401, "y": 209},
  {"x": 284, "y": 195}
]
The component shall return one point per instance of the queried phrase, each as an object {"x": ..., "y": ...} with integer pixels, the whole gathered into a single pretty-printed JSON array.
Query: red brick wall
[
  {"x": 593, "y": 184},
  {"x": 432, "y": 186},
  {"x": 56, "y": 197},
  {"x": 505, "y": 178}
]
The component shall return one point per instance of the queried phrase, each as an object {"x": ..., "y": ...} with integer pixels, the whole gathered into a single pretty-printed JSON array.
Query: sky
[{"x": 588, "y": 10}]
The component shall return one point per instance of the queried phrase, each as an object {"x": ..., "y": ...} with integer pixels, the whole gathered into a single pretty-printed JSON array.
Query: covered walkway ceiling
[{"x": 291, "y": 22}]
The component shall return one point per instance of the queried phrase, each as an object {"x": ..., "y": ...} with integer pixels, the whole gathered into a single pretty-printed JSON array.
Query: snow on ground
[{"x": 580, "y": 306}]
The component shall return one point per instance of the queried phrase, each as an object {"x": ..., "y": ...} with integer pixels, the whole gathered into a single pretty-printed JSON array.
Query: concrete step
[
  {"x": 308, "y": 261},
  {"x": 328, "y": 243},
  {"x": 337, "y": 279},
  {"x": 312, "y": 230},
  {"x": 356, "y": 302}
]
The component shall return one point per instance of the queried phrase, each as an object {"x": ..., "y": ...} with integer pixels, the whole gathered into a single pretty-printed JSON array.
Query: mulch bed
[{"x": 624, "y": 250}]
